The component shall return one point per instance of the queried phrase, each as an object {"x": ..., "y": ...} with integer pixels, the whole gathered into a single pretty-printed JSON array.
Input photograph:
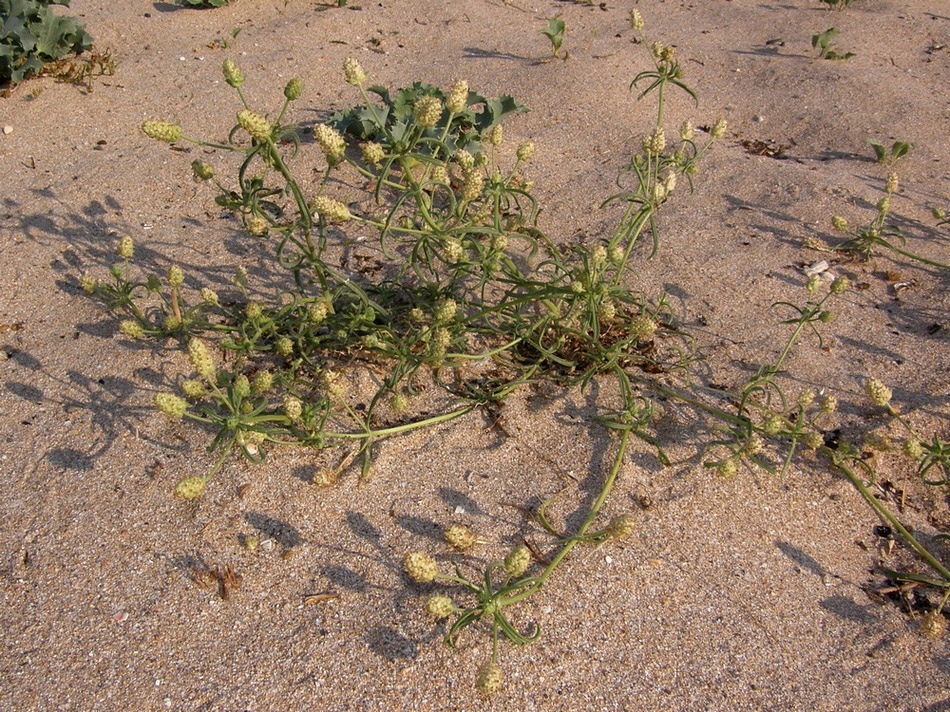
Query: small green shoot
[
  {"x": 555, "y": 32},
  {"x": 898, "y": 150},
  {"x": 822, "y": 42}
]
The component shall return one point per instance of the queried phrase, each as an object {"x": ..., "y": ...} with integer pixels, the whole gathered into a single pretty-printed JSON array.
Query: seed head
[
  {"x": 472, "y": 187},
  {"x": 440, "y": 175},
  {"x": 460, "y": 537},
  {"x": 753, "y": 446},
  {"x": 440, "y": 607},
  {"x": 636, "y": 20},
  {"x": 171, "y": 405},
  {"x": 131, "y": 329},
  {"x": 654, "y": 144},
  {"x": 293, "y": 407},
  {"x": 202, "y": 170},
  {"x": 331, "y": 210},
  {"x": 883, "y": 205},
  {"x": 353, "y": 72},
  {"x": 518, "y": 561},
  {"x": 331, "y": 142},
  {"x": 643, "y": 327},
  {"x": 840, "y": 285},
  {"x": 829, "y": 404},
  {"x": 254, "y": 310},
  {"x": 232, "y": 73},
  {"x": 525, "y": 151},
  {"x": 256, "y": 225},
  {"x": 621, "y": 526},
  {"x": 193, "y": 389},
  {"x": 813, "y": 284},
  {"x": 465, "y": 160},
  {"x": 892, "y": 183},
  {"x": 325, "y": 477},
  {"x": 933, "y": 625},
  {"x": 284, "y": 346},
  {"x": 490, "y": 678},
  {"x": 126, "y": 247},
  {"x": 334, "y": 386},
  {"x": 806, "y": 398},
  {"x": 839, "y": 223},
  {"x": 772, "y": 424},
  {"x": 209, "y": 296},
  {"x": 719, "y": 128},
  {"x": 255, "y": 124},
  {"x": 262, "y": 382},
  {"x": 813, "y": 440},
  {"x": 445, "y": 310},
  {"x": 427, "y": 111},
  {"x": 317, "y": 312},
  {"x": 457, "y": 99},
  {"x": 686, "y": 131},
  {"x": 88, "y": 284},
  {"x": 420, "y": 567},
  {"x": 171, "y": 322},
  {"x": 879, "y": 394},
  {"x": 727, "y": 468},
  {"x": 176, "y": 277},
  {"x": 292, "y": 89},
  {"x": 162, "y": 131},
  {"x": 496, "y": 135},
  {"x": 913, "y": 449},
  {"x": 373, "y": 153},
  {"x": 608, "y": 310},
  {"x": 191, "y": 487},
  {"x": 201, "y": 359},
  {"x": 399, "y": 403},
  {"x": 241, "y": 386}
]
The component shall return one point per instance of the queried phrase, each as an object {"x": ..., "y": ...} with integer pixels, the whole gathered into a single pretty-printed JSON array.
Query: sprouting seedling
[
  {"x": 822, "y": 42},
  {"x": 555, "y": 32},
  {"x": 898, "y": 150}
]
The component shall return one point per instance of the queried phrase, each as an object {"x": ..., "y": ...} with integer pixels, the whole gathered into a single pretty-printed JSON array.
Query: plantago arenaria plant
[{"x": 464, "y": 275}]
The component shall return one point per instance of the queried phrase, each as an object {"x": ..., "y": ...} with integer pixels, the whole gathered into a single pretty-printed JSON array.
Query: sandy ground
[{"x": 747, "y": 593}]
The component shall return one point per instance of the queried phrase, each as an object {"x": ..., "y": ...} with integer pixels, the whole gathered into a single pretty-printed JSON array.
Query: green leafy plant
[
  {"x": 32, "y": 35},
  {"x": 898, "y": 150},
  {"x": 458, "y": 130},
  {"x": 555, "y": 33},
  {"x": 822, "y": 42},
  {"x": 203, "y": 3}
]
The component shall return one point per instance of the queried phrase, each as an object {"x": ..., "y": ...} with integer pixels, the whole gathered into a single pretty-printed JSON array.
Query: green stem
[
  {"x": 582, "y": 530},
  {"x": 886, "y": 515}
]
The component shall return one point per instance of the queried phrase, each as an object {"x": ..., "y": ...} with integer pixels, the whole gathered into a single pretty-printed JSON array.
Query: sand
[{"x": 746, "y": 593}]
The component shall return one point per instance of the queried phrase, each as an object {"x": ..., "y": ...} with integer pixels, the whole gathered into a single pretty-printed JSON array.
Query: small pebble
[{"x": 7, "y": 130}]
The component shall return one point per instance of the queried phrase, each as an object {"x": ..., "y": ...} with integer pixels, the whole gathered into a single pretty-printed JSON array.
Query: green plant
[
  {"x": 464, "y": 298},
  {"x": 555, "y": 33},
  {"x": 879, "y": 232},
  {"x": 225, "y": 43},
  {"x": 32, "y": 35},
  {"x": 822, "y": 42},
  {"x": 203, "y": 3},
  {"x": 898, "y": 150},
  {"x": 465, "y": 277},
  {"x": 458, "y": 130}
]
